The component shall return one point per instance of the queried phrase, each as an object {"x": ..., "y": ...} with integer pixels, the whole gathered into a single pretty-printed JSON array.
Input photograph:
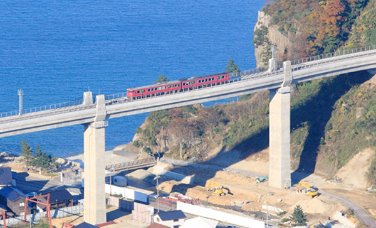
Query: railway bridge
[{"x": 94, "y": 114}]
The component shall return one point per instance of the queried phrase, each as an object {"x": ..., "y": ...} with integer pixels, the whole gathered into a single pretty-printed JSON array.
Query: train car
[
  {"x": 161, "y": 89},
  {"x": 205, "y": 81},
  {"x": 154, "y": 90}
]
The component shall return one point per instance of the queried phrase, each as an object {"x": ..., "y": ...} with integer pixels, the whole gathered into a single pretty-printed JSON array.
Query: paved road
[{"x": 360, "y": 212}]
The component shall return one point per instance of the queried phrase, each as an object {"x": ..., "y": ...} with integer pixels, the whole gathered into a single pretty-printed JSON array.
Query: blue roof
[
  {"x": 11, "y": 193},
  {"x": 171, "y": 215}
]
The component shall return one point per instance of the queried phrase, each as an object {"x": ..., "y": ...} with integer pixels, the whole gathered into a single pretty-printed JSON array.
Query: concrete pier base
[
  {"x": 279, "y": 136},
  {"x": 94, "y": 173}
]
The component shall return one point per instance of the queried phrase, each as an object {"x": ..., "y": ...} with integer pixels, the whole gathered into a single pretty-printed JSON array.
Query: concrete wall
[
  {"x": 127, "y": 193},
  {"x": 220, "y": 215}
]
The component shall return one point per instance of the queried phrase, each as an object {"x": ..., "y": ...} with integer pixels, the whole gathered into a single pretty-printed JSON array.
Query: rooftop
[
  {"x": 171, "y": 215},
  {"x": 11, "y": 193}
]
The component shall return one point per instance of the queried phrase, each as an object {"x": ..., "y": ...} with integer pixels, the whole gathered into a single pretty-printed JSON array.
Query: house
[
  {"x": 13, "y": 198},
  {"x": 60, "y": 198},
  {"x": 173, "y": 219},
  {"x": 5, "y": 176}
]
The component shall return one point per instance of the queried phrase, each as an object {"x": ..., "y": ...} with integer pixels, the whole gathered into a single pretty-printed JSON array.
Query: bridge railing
[
  {"x": 43, "y": 108},
  {"x": 115, "y": 96},
  {"x": 340, "y": 52},
  {"x": 244, "y": 75},
  {"x": 131, "y": 164}
]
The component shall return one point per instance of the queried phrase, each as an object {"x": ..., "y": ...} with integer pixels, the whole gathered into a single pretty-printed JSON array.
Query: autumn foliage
[{"x": 317, "y": 26}]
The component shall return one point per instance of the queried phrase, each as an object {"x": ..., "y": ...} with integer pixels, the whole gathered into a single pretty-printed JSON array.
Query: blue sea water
[{"x": 55, "y": 50}]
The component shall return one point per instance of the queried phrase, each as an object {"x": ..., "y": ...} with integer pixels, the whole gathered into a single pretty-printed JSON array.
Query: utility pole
[
  {"x": 20, "y": 101},
  {"x": 157, "y": 185}
]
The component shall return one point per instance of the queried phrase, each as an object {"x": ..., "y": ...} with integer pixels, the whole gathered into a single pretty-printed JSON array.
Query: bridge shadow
[
  {"x": 316, "y": 112},
  {"x": 224, "y": 159}
]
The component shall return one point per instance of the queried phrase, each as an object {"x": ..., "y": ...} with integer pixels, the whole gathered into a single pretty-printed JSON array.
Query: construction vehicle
[
  {"x": 261, "y": 179},
  {"x": 218, "y": 189},
  {"x": 307, "y": 188}
]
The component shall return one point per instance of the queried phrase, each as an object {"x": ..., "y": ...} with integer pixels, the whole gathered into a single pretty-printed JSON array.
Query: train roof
[
  {"x": 156, "y": 84},
  {"x": 171, "y": 82}
]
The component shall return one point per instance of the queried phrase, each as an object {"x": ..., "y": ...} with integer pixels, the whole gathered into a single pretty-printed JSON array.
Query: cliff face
[{"x": 266, "y": 35}]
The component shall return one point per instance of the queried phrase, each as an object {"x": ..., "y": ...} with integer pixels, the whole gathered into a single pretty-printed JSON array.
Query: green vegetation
[
  {"x": 26, "y": 152},
  {"x": 260, "y": 36},
  {"x": 156, "y": 121},
  {"x": 372, "y": 171},
  {"x": 364, "y": 30},
  {"x": 261, "y": 39},
  {"x": 40, "y": 160},
  {"x": 298, "y": 217},
  {"x": 232, "y": 67},
  {"x": 162, "y": 78}
]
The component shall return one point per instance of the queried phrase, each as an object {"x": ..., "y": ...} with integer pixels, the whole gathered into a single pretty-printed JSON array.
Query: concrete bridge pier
[
  {"x": 94, "y": 169},
  {"x": 279, "y": 132}
]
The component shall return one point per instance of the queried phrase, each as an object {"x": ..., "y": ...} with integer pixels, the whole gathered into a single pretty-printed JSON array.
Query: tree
[
  {"x": 162, "y": 78},
  {"x": 26, "y": 152},
  {"x": 298, "y": 217},
  {"x": 232, "y": 67},
  {"x": 43, "y": 160}
]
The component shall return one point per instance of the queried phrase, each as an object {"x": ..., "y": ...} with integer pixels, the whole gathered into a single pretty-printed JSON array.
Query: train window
[{"x": 142, "y": 90}]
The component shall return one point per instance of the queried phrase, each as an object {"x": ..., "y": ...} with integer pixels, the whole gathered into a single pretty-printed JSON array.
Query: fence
[
  {"x": 56, "y": 213},
  {"x": 132, "y": 165}
]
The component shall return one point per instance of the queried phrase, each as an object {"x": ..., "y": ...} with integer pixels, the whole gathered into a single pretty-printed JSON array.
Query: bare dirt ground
[
  {"x": 239, "y": 177},
  {"x": 354, "y": 172}
]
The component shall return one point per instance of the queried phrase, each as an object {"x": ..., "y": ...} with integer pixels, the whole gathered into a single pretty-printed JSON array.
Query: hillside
[{"x": 331, "y": 121}]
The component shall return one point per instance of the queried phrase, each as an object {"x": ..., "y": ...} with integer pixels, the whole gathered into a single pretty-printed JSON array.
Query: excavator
[
  {"x": 307, "y": 188},
  {"x": 218, "y": 189}
]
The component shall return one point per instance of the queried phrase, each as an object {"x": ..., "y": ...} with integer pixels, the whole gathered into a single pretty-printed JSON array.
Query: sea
[{"x": 55, "y": 50}]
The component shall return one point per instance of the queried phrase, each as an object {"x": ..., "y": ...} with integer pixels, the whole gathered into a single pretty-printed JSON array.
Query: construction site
[{"x": 145, "y": 192}]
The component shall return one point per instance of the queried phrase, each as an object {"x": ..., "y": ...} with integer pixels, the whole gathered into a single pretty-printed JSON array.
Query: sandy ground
[
  {"x": 355, "y": 171},
  {"x": 239, "y": 176},
  {"x": 112, "y": 157}
]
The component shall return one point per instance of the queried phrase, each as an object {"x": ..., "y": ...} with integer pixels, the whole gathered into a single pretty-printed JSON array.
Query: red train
[{"x": 177, "y": 86}]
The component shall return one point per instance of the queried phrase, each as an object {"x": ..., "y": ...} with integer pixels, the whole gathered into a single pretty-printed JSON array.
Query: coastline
[{"x": 117, "y": 155}]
